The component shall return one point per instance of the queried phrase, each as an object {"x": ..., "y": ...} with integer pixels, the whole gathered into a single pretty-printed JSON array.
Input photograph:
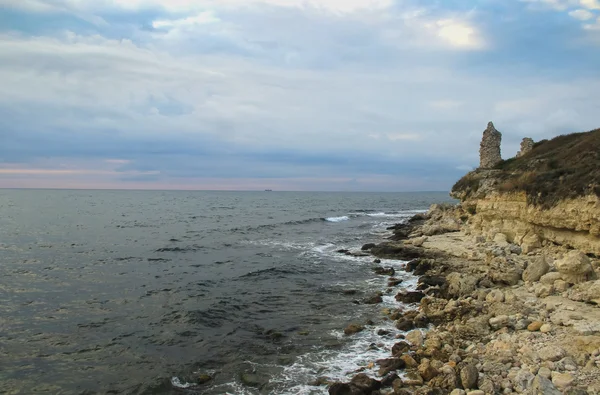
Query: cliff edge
[{"x": 548, "y": 193}]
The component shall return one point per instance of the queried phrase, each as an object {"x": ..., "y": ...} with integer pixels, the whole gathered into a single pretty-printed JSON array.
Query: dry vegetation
[{"x": 567, "y": 166}]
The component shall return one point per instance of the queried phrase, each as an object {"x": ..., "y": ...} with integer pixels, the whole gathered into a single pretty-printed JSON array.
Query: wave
[
  {"x": 337, "y": 219},
  {"x": 279, "y": 272}
]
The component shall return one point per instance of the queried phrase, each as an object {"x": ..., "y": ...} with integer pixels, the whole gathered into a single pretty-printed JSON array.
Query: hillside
[{"x": 564, "y": 167}]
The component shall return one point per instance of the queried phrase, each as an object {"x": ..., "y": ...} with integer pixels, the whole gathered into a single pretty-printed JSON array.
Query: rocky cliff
[{"x": 548, "y": 194}]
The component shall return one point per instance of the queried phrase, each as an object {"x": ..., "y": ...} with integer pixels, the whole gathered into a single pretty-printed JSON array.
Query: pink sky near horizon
[{"x": 109, "y": 178}]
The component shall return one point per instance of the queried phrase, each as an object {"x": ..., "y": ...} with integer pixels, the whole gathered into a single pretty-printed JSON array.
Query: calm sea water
[{"x": 139, "y": 292}]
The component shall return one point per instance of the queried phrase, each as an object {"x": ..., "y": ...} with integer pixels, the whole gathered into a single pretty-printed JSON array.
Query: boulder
[
  {"x": 404, "y": 324},
  {"x": 530, "y": 243},
  {"x": 426, "y": 370},
  {"x": 392, "y": 282},
  {"x": 353, "y": 328},
  {"x": 550, "y": 278},
  {"x": 419, "y": 241},
  {"x": 415, "y": 337},
  {"x": 389, "y": 379},
  {"x": 588, "y": 292},
  {"x": 433, "y": 281},
  {"x": 498, "y": 322},
  {"x": 396, "y": 251},
  {"x": 343, "y": 389},
  {"x": 384, "y": 271},
  {"x": 368, "y": 246},
  {"x": 469, "y": 376},
  {"x": 409, "y": 361},
  {"x": 523, "y": 380},
  {"x": 551, "y": 353},
  {"x": 562, "y": 380},
  {"x": 536, "y": 269},
  {"x": 501, "y": 240},
  {"x": 410, "y": 297},
  {"x": 575, "y": 267},
  {"x": 389, "y": 365},
  {"x": 365, "y": 383},
  {"x": 495, "y": 296},
  {"x": 461, "y": 285},
  {"x": 373, "y": 299},
  {"x": 412, "y": 379}
]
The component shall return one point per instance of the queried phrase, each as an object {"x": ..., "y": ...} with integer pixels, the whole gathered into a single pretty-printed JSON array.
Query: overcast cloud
[{"x": 381, "y": 95}]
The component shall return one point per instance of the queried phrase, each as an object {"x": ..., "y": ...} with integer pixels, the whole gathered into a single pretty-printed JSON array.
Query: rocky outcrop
[
  {"x": 526, "y": 146},
  {"x": 572, "y": 223},
  {"x": 549, "y": 193},
  {"x": 489, "y": 150}
]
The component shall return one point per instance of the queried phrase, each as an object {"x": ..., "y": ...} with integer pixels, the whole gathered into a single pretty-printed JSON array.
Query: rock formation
[
  {"x": 489, "y": 151},
  {"x": 526, "y": 146},
  {"x": 550, "y": 195}
]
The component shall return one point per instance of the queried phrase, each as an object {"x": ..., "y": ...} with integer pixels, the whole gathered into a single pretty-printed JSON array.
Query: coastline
[{"x": 488, "y": 318}]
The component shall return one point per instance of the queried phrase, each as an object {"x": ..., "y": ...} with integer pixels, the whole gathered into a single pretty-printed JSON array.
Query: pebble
[
  {"x": 546, "y": 328},
  {"x": 545, "y": 372},
  {"x": 535, "y": 326}
]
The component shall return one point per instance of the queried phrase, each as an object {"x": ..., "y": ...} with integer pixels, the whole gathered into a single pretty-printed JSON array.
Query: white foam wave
[
  {"x": 337, "y": 219},
  {"x": 177, "y": 383}
]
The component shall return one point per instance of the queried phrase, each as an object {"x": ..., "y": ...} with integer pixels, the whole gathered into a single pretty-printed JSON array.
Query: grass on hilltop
[{"x": 567, "y": 166}]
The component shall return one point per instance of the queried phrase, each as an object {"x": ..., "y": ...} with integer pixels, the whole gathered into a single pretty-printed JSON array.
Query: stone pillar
[
  {"x": 489, "y": 150},
  {"x": 526, "y": 146}
]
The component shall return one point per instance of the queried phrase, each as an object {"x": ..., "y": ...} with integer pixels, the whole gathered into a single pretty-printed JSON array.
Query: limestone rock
[
  {"x": 575, "y": 267},
  {"x": 551, "y": 353},
  {"x": 415, "y": 337},
  {"x": 461, "y": 285},
  {"x": 489, "y": 151},
  {"x": 499, "y": 322},
  {"x": 536, "y": 269},
  {"x": 588, "y": 292},
  {"x": 523, "y": 380},
  {"x": 546, "y": 328},
  {"x": 550, "y": 278},
  {"x": 542, "y": 385},
  {"x": 426, "y": 370},
  {"x": 500, "y": 239},
  {"x": 530, "y": 243},
  {"x": 418, "y": 242},
  {"x": 412, "y": 378},
  {"x": 562, "y": 380},
  {"x": 469, "y": 376},
  {"x": 495, "y": 296}
]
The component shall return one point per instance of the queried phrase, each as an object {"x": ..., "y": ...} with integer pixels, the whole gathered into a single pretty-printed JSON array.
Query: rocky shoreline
[{"x": 490, "y": 317}]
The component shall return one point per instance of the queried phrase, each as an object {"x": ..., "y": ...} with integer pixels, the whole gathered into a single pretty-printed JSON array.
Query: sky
[{"x": 332, "y": 95}]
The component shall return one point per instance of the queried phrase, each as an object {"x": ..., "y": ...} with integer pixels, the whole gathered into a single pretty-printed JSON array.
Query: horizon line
[{"x": 210, "y": 190}]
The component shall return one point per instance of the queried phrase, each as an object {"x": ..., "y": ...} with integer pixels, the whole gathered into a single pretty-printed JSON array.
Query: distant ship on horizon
[{"x": 268, "y": 190}]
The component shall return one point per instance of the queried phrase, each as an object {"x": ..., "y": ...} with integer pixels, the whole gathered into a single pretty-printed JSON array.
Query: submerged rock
[{"x": 353, "y": 328}]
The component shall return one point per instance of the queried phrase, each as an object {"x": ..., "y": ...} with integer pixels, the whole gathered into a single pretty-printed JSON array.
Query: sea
[{"x": 150, "y": 292}]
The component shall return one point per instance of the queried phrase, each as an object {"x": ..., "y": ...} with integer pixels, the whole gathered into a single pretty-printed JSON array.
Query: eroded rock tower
[
  {"x": 526, "y": 146},
  {"x": 489, "y": 151}
]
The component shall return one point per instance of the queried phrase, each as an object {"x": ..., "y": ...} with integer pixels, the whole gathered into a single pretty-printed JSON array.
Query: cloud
[
  {"x": 393, "y": 95},
  {"x": 590, "y": 4},
  {"x": 582, "y": 15},
  {"x": 200, "y": 19}
]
